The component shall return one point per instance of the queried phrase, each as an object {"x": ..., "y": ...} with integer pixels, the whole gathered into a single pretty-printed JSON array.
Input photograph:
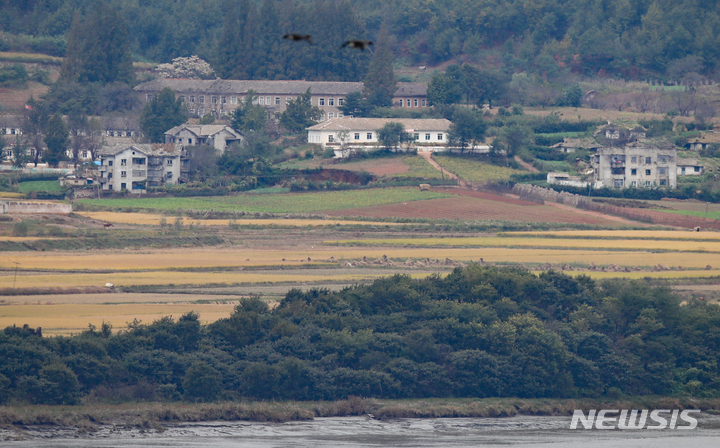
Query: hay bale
[{"x": 424, "y": 187}]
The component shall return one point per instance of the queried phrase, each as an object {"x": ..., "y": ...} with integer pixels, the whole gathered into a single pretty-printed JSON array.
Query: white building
[
  {"x": 635, "y": 166},
  {"x": 689, "y": 167},
  {"x": 217, "y": 135},
  {"x": 346, "y": 134},
  {"x": 138, "y": 166}
]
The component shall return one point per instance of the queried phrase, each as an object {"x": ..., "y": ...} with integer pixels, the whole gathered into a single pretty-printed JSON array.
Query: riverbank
[{"x": 156, "y": 416}]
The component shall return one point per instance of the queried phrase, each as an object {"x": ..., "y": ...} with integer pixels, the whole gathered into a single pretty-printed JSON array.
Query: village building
[
  {"x": 347, "y": 134},
  {"x": 221, "y": 97},
  {"x": 635, "y": 165},
  {"x": 10, "y": 125},
  {"x": 570, "y": 145},
  {"x": 689, "y": 167},
  {"x": 703, "y": 141},
  {"x": 217, "y": 135},
  {"x": 120, "y": 129},
  {"x": 138, "y": 166}
]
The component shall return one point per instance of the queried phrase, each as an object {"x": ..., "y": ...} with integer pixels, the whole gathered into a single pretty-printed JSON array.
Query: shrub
[
  {"x": 20, "y": 229},
  {"x": 202, "y": 382}
]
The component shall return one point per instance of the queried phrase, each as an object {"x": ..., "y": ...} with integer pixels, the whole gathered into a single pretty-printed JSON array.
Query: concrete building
[
  {"x": 217, "y": 135},
  {"x": 138, "y": 166},
  {"x": 635, "y": 166},
  {"x": 220, "y": 97},
  {"x": 348, "y": 134}
]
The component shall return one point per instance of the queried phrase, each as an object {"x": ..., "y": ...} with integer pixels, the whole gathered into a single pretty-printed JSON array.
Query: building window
[
  {"x": 201, "y": 98},
  {"x": 647, "y": 172},
  {"x": 401, "y": 103},
  {"x": 331, "y": 115},
  {"x": 189, "y": 141},
  {"x": 647, "y": 183},
  {"x": 110, "y": 163},
  {"x": 369, "y": 135},
  {"x": 321, "y": 101},
  {"x": 427, "y": 136},
  {"x": 617, "y": 171},
  {"x": 169, "y": 162},
  {"x": 192, "y": 110},
  {"x": 233, "y": 100},
  {"x": 123, "y": 162},
  {"x": 633, "y": 183},
  {"x": 416, "y": 136},
  {"x": 648, "y": 160},
  {"x": 697, "y": 169},
  {"x": 182, "y": 98},
  {"x": 331, "y": 101},
  {"x": 214, "y": 100},
  {"x": 633, "y": 172},
  {"x": 357, "y": 136},
  {"x": 440, "y": 136},
  {"x": 138, "y": 161},
  {"x": 149, "y": 96},
  {"x": 123, "y": 186},
  {"x": 201, "y": 112},
  {"x": 322, "y": 116},
  {"x": 415, "y": 102},
  {"x": 192, "y": 98},
  {"x": 341, "y": 101},
  {"x": 168, "y": 175},
  {"x": 123, "y": 173},
  {"x": 633, "y": 159},
  {"x": 262, "y": 100},
  {"x": 340, "y": 114},
  {"x": 662, "y": 170},
  {"x": 424, "y": 102},
  {"x": 223, "y": 112},
  {"x": 663, "y": 181},
  {"x": 331, "y": 138},
  {"x": 267, "y": 100},
  {"x": 277, "y": 100},
  {"x": 618, "y": 183},
  {"x": 288, "y": 99}
]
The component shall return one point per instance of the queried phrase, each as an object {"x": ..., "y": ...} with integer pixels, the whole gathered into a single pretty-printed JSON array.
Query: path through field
[
  {"x": 526, "y": 165},
  {"x": 428, "y": 156}
]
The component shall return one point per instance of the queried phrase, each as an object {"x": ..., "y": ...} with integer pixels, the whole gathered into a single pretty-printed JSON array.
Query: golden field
[
  {"x": 73, "y": 318},
  {"x": 667, "y": 245},
  {"x": 639, "y": 234}
]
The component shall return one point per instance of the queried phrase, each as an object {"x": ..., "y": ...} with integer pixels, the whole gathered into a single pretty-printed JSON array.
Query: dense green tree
[
  {"x": 380, "y": 82},
  {"x": 161, "y": 114},
  {"x": 467, "y": 128},
  {"x": 98, "y": 48},
  {"x": 356, "y": 105},
  {"x": 443, "y": 90},
  {"x": 516, "y": 137},
  {"x": 249, "y": 115},
  {"x": 33, "y": 127},
  {"x": 300, "y": 114},
  {"x": 4, "y": 148},
  {"x": 202, "y": 382},
  {"x": 392, "y": 135},
  {"x": 57, "y": 140}
]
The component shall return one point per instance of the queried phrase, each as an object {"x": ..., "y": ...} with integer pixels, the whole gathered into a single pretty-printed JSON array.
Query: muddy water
[{"x": 516, "y": 432}]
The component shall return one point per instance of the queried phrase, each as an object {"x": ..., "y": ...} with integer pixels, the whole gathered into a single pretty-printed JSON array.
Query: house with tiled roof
[
  {"x": 135, "y": 167},
  {"x": 689, "y": 167},
  {"x": 346, "y": 133},
  {"x": 220, "y": 97},
  {"x": 703, "y": 141},
  {"x": 217, "y": 135}
]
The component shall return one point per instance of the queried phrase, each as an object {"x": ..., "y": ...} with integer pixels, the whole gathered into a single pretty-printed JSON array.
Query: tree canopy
[
  {"x": 300, "y": 114},
  {"x": 161, "y": 114}
]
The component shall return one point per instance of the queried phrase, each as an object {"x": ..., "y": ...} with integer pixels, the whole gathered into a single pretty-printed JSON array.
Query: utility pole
[
  {"x": 707, "y": 204},
  {"x": 16, "y": 269}
]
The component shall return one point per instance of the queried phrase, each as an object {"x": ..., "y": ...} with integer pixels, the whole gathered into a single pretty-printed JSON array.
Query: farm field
[
  {"x": 472, "y": 208},
  {"x": 711, "y": 214},
  {"x": 66, "y": 319},
  {"x": 276, "y": 203},
  {"x": 474, "y": 170},
  {"x": 154, "y": 219},
  {"x": 630, "y": 234},
  {"x": 645, "y": 244},
  {"x": 39, "y": 185}
]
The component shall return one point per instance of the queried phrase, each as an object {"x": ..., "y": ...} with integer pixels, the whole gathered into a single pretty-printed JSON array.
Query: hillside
[{"x": 667, "y": 39}]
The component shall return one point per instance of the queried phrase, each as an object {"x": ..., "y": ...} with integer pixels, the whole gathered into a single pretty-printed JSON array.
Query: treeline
[
  {"x": 667, "y": 39},
  {"x": 479, "y": 332}
]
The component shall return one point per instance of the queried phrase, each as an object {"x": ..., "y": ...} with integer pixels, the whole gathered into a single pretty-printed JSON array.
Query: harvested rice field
[{"x": 614, "y": 234}]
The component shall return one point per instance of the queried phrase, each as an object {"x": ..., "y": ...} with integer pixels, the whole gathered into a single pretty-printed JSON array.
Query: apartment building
[{"x": 636, "y": 165}]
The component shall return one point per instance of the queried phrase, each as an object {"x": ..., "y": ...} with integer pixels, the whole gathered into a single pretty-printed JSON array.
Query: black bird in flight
[
  {"x": 357, "y": 43},
  {"x": 298, "y": 37}
]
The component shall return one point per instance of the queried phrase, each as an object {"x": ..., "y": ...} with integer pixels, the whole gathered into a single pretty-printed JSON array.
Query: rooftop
[
  {"x": 153, "y": 149},
  {"x": 368, "y": 124}
]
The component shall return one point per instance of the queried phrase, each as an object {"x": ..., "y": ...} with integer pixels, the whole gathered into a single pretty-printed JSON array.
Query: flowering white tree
[{"x": 189, "y": 68}]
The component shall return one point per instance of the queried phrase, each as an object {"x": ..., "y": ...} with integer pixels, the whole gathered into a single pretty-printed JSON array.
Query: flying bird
[
  {"x": 298, "y": 37},
  {"x": 357, "y": 43}
]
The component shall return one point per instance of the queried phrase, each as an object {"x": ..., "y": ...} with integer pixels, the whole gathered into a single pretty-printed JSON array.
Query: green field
[
  {"x": 39, "y": 185},
  {"x": 474, "y": 170},
  {"x": 711, "y": 214},
  {"x": 275, "y": 203}
]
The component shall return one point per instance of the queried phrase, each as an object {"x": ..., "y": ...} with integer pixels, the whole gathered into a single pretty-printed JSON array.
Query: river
[{"x": 516, "y": 432}]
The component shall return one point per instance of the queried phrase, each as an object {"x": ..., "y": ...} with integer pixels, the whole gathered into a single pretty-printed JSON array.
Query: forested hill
[
  {"x": 631, "y": 38},
  {"x": 479, "y": 332}
]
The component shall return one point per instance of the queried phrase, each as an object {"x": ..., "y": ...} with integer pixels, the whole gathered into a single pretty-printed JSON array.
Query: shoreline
[{"x": 156, "y": 416}]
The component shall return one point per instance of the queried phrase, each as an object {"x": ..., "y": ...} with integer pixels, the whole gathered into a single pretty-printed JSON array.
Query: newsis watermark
[{"x": 634, "y": 419}]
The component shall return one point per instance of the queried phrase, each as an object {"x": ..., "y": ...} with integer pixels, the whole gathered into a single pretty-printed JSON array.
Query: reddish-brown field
[
  {"x": 378, "y": 167},
  {"x": 472, "y": 208},
  {"x": 484, "y": 195}
]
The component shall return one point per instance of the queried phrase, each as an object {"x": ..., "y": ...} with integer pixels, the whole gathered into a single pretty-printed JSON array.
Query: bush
[
  {"x": 13, "y": 76},
  {"x": 20, "y": 229},
  {"x": 202, "y": 382}
]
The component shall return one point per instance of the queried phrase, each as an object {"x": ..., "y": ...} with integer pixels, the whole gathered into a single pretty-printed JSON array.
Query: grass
[
  {"x": 39, "y": 185},
  {"x": 474, "y": 170},
  {"x": 711, "y": 214},
  {"x": 275, "y": 203},
  {"x": 29, "y": 57},
  {"x": 614, "y": 234},
  {"x": 418, "y": 167}
]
